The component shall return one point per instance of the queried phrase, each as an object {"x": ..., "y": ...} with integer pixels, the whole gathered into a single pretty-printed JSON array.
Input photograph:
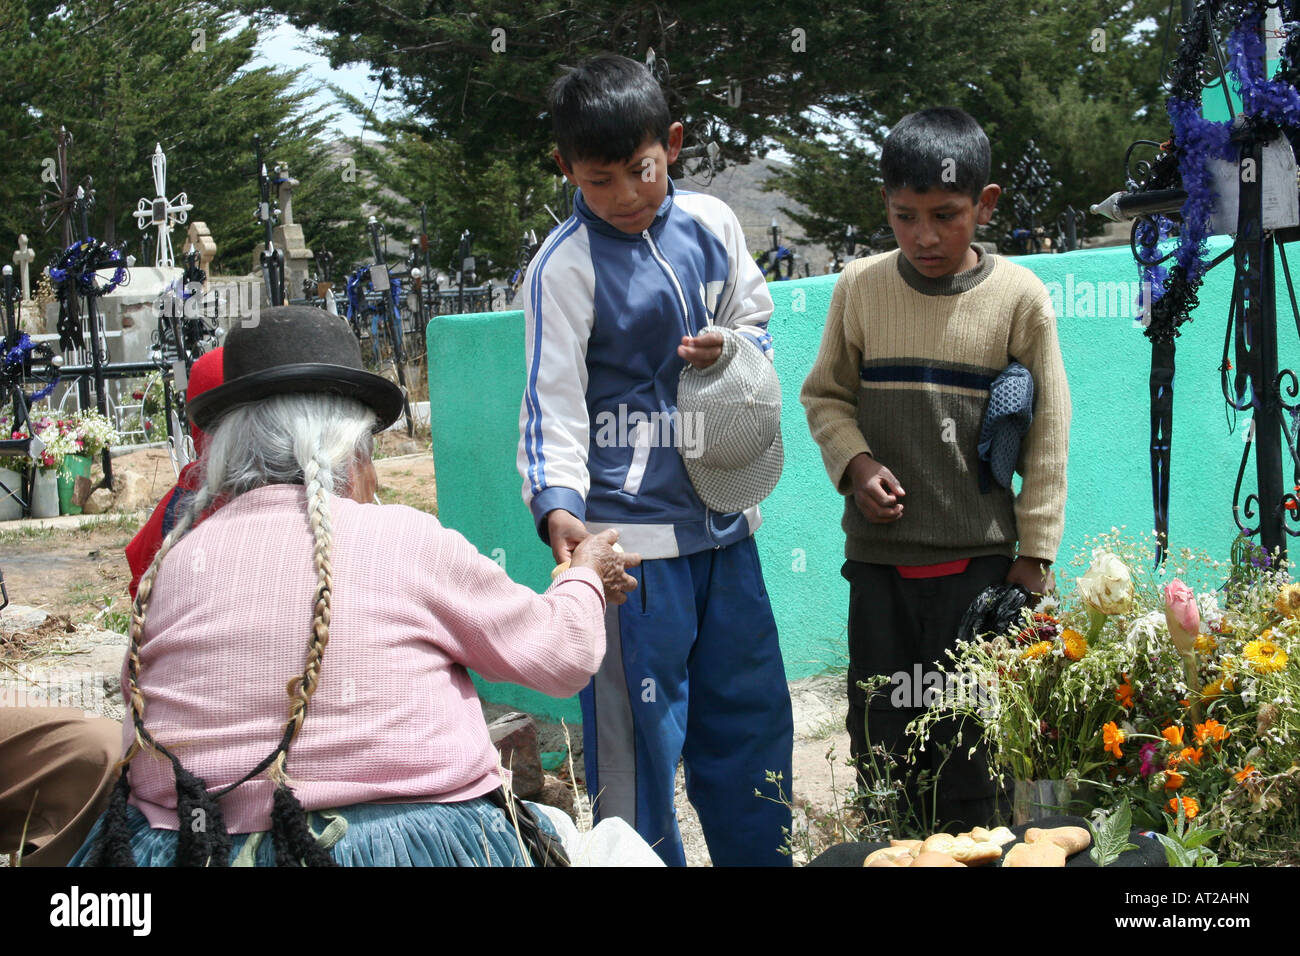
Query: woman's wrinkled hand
[{"x": 597, "y": 552}]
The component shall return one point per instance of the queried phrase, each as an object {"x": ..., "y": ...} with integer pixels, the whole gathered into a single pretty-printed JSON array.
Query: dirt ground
[{"x": 78, "y": 577}]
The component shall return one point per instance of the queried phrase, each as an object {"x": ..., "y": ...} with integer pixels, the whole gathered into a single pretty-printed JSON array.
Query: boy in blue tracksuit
[{"x": 615, "y": 298}]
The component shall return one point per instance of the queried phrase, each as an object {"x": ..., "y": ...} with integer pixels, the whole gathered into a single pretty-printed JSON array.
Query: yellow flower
[
  {"x": 1190, "y": 807},
  {"x": 1216, "y": 688},
  {"x": 1076, "y": 645},
  {"x": 1264, "y": 656},
  {"x": 1205, "y": 643},
  {"x": 1287, "y": 602},
  {"x": 1036, "y": 650},
  {"x": 1113, "y": 737}
]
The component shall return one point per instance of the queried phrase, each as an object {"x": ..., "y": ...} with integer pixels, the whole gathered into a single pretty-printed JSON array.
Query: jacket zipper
[
  {"x": 677, "y": 287},
  {"x": 681, "y": 300}
]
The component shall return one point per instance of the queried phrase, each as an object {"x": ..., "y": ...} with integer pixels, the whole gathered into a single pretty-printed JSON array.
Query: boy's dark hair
[
  {"x": 605, "y": 108},
  {"x": 940, "y": 148}
]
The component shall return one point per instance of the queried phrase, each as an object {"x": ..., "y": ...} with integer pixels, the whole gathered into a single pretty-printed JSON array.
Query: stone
[
  {"x": 515, "y": 737},
  {"x": 132, "y": 493},
  {"x": 17, "y": 618},
  {"x": 99, "y": 502},
  {"x": 557, "y": 793},
  {"x": 81, "y": 489},
  {"x": 199, "y": 239},
  {"x": 297, "y": 257},
  {"x": 23, "y": 260}
]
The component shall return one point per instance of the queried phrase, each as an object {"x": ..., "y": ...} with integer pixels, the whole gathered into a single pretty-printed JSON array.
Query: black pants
[{"x": 901, "y": 628}]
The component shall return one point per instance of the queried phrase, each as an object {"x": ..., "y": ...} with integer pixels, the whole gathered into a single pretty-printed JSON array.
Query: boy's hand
[
  {"x": 701, "y": 351},
  {"x": 1032, "y": 574},
  {"x": 566, "y": 532},
  {"x": 875, "y": 490}
]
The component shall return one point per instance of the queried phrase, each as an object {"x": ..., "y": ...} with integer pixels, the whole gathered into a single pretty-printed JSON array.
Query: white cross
[
  {"x": 22, "y": 259},
  {"x": 160, "y": 212}
]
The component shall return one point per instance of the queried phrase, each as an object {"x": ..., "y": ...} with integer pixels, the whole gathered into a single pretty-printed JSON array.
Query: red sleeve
[{"x": 145, "y": 544}]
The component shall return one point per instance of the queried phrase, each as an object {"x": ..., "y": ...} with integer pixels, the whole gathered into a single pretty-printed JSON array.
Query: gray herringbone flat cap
[{"x": 736, "y": 458}]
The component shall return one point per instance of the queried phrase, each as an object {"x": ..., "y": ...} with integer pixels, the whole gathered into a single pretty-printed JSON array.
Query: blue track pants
[{"x": 693, "y": 671}]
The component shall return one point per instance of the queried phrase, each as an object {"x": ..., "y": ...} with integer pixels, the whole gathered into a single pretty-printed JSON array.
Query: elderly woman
[{"x": 298, "y": 658}]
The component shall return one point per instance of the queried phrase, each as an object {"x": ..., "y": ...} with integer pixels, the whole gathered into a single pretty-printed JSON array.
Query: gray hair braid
[{"x": 315, "y": 439}]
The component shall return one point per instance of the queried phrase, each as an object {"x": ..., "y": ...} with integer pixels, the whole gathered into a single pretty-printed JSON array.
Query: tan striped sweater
[{"x": 903, "y": 375}]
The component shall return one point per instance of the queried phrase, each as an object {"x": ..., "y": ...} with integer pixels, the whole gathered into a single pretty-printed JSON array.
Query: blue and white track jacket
[{"x": 605, "y": 312}]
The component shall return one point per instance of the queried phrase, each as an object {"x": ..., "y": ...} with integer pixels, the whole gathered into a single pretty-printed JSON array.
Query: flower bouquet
[
  {"x": 1177, "y": 699},
  {"x": 1045, "y": 691},
  {"x": 92, "y": 433}
]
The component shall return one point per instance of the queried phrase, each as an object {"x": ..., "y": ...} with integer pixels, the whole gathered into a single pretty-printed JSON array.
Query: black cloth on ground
[{"x": 1150, "y": 852}]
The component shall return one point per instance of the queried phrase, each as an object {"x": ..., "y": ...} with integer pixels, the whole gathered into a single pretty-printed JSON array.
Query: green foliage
[
  {"x": 1110, "y": 837},
  {"x": 477, "y": 74},
  {"x": 122, "y": 77},
  {"x": 1187, "y": 843},
  {"x": 493, "y": 197},
  {"x": 1035, "y": 75}
]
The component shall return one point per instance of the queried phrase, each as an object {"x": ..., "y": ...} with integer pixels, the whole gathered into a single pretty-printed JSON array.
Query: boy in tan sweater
[{"x": 895, "y": 401}]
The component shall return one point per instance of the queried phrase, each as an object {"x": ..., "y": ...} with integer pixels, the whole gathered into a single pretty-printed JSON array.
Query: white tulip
[{"x": 1107, "y": 587}]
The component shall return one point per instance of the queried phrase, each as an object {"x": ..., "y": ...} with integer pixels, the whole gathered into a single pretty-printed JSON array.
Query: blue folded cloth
[{"x": 1011, "y": 409}]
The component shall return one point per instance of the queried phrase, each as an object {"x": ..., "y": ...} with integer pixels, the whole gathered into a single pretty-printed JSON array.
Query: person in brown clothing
[
  {"x": 57, "y": 768},
  {"x": 895, "y": 401}
]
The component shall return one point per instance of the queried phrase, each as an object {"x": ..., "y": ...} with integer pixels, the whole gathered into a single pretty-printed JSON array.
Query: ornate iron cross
[
  {"x": 160, "y": 212},
  {"x": 62, "y": 199}
]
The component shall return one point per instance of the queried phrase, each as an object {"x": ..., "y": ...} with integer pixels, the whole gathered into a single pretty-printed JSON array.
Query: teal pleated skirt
[{"x": 469, "y": 833}]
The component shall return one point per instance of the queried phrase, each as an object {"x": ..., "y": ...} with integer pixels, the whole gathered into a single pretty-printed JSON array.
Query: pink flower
[
  {"x": 1149, "y": 762},
  {"x": 1182, "y": 615}
]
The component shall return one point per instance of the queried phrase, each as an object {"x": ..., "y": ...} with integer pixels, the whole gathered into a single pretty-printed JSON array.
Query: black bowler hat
[{"x": 295, "y": 348}]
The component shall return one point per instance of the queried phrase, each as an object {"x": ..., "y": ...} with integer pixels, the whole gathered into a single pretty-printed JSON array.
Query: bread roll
[
  {"x": 1042, "y": 853},
  {"x": 1070, "y": 839}
]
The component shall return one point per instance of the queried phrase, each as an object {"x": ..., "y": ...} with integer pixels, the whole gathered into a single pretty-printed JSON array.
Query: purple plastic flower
[{"x": 1149, "y": 763}]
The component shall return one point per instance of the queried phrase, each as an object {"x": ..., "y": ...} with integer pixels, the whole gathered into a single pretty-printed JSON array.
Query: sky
[{"x": 288, "y": 47}]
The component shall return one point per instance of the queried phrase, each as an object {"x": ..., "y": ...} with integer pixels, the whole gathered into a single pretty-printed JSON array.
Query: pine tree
[{"x": 124, "y": 76}]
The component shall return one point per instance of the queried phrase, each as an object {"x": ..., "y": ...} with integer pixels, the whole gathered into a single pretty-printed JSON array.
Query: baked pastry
[
  {"x": 1042, "y": 853},
  {"x": 1070, "y": 839}
]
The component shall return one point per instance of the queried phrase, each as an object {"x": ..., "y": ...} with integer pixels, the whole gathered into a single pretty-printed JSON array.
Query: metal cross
[
  {"x": 160, "y": 212},
  {"x": 62, "y": 198}
]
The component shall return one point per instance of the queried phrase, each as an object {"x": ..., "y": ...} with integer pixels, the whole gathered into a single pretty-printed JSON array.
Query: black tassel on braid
[
  {"x": 202, "y": 839},
  {"x": 113, "y": 843},
  {"x": 294, "y": 844}
]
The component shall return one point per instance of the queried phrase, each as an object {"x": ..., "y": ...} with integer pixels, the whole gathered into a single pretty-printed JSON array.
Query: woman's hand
[{"x": 597, "y": 552}]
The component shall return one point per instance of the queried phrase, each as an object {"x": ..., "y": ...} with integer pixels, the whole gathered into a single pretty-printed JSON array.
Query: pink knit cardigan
[{"x": 395, "y": 718}]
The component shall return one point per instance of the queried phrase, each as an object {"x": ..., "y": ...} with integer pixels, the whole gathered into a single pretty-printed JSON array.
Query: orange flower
[
  {"x": 1241, "y": 775},
  {"x": 1124, "y": 694},
  {"x": 1113, "y": 737},
  {"x": 1190, "y": 807},
  {"x": 1173, "y": 734},
  {"x": 1188, "y": 753},
  {"x": 1211, "y": 730},
  {"x": 1173, "y": 780},
  {"x": 1075, "y": 644}
]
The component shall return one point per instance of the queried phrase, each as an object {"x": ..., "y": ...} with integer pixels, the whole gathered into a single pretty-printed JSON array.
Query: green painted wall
[{"x": 476, "y": 379}]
